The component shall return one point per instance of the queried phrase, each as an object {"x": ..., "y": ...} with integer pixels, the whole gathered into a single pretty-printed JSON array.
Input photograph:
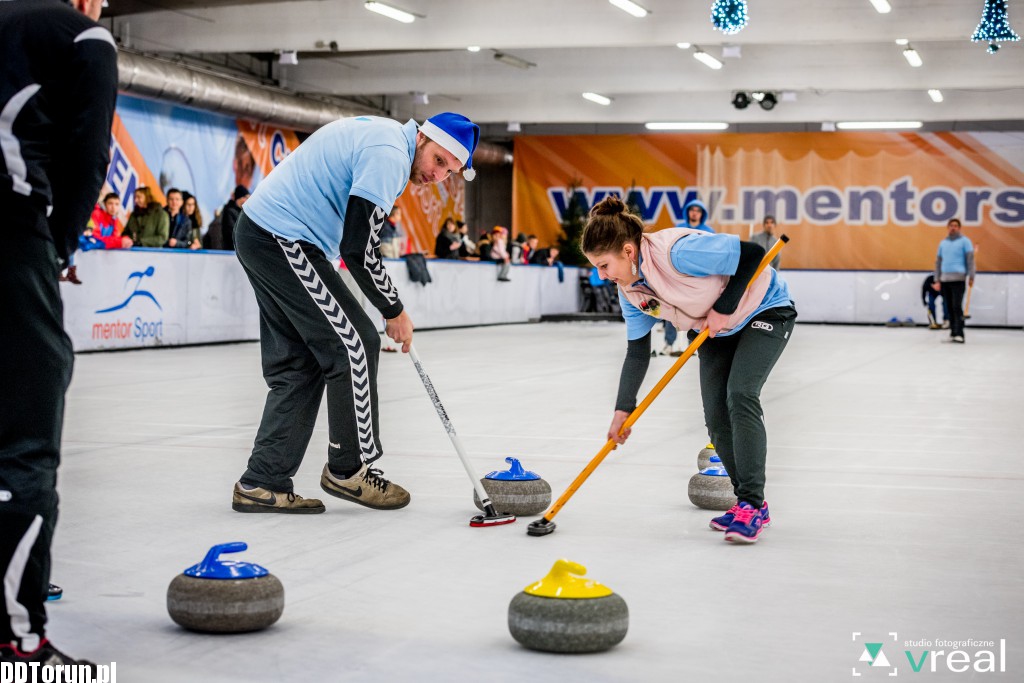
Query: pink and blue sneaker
[
  {"x": 722, "y": 522},
  {"x": 747, "y": 524}
]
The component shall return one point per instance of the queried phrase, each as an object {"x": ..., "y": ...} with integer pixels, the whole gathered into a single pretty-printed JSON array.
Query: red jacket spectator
[{"x": 105, "y": 226}]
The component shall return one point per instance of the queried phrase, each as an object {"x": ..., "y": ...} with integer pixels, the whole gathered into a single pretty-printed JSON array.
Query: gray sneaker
[
  {"x": 262, "y": 500},
  {"x": 367, "y": 487}
]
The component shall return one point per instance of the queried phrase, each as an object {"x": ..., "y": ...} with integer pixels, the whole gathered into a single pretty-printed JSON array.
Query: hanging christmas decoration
[
  {"x": 729, "y": 16},
  {"x": 994, "y": 26}
]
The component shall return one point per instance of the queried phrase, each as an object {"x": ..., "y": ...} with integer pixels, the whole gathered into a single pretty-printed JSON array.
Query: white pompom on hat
[{"x": 457, "y": 134}]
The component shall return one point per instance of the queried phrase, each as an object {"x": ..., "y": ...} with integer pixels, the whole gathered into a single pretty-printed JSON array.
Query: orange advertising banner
[
  {"x": 850, "y": 201},
  {"x": 425, "y": 206},
  {"x": 267, "y": 145}
]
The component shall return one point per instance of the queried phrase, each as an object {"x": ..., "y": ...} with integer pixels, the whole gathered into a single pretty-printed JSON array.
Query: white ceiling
[{"x": 838, "y": 56}]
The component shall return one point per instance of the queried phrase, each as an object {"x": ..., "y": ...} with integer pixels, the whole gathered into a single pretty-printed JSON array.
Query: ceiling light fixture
[
  {"x": 902, "y": 41},
  {"x": 686, "y": 125},
  {"x": 935, "y": 94},
  {"x": 599, "y": 99},
  {"x": 913, "y": 59},
  {"x": 390, "y": 12},
  {"x": 288, "y": 57},
  {"x": 768, "y": 101},
  {"x": 512, "y": 60},
  {"x": 878, "y": 125},
  {"x": 630, "y": 7},
  {"x": 881, "y": 6},
  {"x": 473, "y": 48},
  {"x": 706, "y": 59},
  {"x": 741, "y": 100},
  {"x": 683, "y": 46}
]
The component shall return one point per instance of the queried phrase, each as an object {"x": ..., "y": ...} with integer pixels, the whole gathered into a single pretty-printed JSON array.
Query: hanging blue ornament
[
  {"x": 994, "y": 26},
  {"x": 729, "y": 16}
]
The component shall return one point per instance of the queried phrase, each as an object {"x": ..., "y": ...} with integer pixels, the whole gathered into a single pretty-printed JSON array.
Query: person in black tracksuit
[
  {"x": 330, "y": 198},
  {"x": 58, "y": 86}
]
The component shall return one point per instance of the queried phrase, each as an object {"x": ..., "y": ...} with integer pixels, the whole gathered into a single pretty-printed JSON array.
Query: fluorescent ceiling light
[
  {"x": 935, "y": 94},
  {"x": 630, "y": 7},
  {"x": 599, "y": 99},
  {"x": 473, "y": 48},
  {"x": 707, "y": 59},
  {"x": 512, "y": 60},
  {"x": 686, "y": 125},
  {"x": 881, "y": 6},
  {"x": 875, "y": 125},
  {"x": 912, "y": 57},
  {"x": 902, "y": 41},
  {"x": 683, "y": 46},
  {"x": 390, "y": 12}
]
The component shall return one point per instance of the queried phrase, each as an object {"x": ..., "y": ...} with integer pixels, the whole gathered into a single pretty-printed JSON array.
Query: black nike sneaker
[{"x": 367, "y": 487}]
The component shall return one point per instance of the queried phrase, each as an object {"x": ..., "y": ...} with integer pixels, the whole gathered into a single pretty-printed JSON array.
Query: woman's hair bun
[{"x": 609, "y": 206}]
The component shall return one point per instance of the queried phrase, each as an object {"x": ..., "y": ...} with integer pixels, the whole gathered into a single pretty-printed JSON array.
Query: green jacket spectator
[{"x": 149, "y": 225}]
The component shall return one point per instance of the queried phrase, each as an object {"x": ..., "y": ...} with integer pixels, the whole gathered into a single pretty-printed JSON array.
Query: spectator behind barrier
[
  {"x": 467, "y": 249},
  {"x": 229, "y": 216},
  {"x": 106, "y": 223},
  {"x": 447, "y": 243},
  {"x": 149, "y": 225},
  {"x": 499, "y": 252},
  {"x": 180, "y": 234},
  {"x": 191, "y": 209}
]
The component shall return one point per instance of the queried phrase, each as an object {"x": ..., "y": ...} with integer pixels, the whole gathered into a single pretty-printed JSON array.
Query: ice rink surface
[{"x": 894, "y": 476}]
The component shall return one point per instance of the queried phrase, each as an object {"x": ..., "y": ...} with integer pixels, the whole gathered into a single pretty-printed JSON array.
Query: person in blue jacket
[
  {"x": 331, "y": 197},
  {"x": 954, "y": 270}
]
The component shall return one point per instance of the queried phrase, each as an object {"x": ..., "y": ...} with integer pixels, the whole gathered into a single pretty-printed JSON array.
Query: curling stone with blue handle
[
  {"x": 711, "y": 489},
  {"x": 218, "y": 596},
  {"x": 516, "y": 491},
  {"x": 564, "y": 612},
  {"x": 708, "y": 458}
]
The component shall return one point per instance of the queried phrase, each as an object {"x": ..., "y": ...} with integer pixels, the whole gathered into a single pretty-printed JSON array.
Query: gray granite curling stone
[
  {"x": 584, "y": 617},
  {"x": 711, "y": 489},
  {"x": 515, "y": 491},
  {"x": 225, "y": 597}
]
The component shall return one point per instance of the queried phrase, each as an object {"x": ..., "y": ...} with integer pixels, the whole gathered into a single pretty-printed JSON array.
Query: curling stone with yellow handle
[
  {"x": 564, "y": 612},
  {"x": 218, "y": 596},
  {"x": 707, "y": 457}
]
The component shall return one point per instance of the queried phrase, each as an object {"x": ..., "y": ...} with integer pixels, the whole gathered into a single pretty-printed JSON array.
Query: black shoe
[
  {"x": 54, "y": 593},
  {"x": 46, "y": 655}
]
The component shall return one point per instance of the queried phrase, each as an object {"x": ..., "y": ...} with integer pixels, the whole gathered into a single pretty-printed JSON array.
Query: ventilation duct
[{"x": 168, "y": 81}]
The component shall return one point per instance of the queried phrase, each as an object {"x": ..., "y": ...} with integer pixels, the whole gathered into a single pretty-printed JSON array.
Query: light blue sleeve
[
  {"x": 703, "y": 255},
  {"x": 379, "y": 175},
  {"x": 638, "y": 323}
]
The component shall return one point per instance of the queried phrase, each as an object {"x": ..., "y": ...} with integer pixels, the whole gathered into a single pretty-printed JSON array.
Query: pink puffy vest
[{"x": 685, "y": 300}]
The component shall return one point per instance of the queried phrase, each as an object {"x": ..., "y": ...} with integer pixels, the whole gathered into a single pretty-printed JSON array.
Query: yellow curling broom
[{"x": 544, "y": 525}]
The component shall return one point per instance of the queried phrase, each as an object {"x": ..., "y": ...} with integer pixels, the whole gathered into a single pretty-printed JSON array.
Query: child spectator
[
  {"x": 106, "y": 224},
  {"x": 499, "y": 252}
]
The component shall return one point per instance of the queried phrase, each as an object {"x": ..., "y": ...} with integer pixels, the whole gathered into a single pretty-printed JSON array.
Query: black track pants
[
  {"x": 953, "y": 295},
  {"x": 732, "y": 371},
  {"x": 35, "y": 362},
  {"x": 313, "y": 334}
]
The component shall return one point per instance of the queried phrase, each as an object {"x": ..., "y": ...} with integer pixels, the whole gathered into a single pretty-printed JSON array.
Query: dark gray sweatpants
[
  {"x": 732, "y": 371},
  {"x": 313, "y": 334}
]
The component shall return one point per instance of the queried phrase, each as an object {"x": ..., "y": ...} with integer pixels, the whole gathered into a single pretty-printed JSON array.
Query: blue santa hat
[{"x": 457, "y": 134}]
